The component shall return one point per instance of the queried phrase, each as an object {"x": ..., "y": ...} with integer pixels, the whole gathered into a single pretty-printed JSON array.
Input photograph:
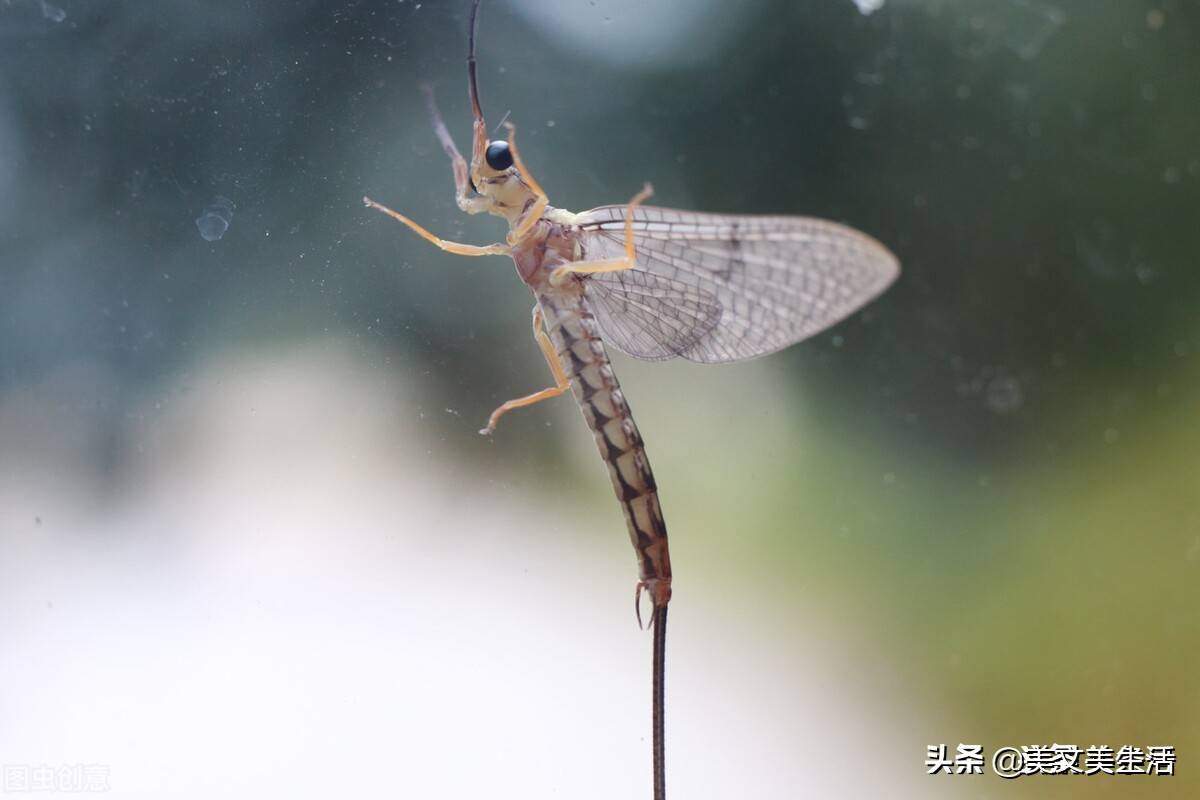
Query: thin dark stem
[
  {"x": 659, "y": 701},
  {"x": 472, "y": 79}
]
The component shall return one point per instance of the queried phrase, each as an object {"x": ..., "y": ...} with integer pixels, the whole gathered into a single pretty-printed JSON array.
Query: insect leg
[
  {"x": 561, "y": 382},
  {"x": 463, "y": 190},
  {"x": 540, "y": 200},
  {"x": 559, "y": 275},
  {"x": 449, "y": 247}
]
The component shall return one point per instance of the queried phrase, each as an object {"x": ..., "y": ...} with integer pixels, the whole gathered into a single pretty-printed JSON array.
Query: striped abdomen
[{"x": 577, "y": 341}]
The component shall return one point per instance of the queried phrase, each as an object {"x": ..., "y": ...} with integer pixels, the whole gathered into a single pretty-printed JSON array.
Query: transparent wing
[
  {"x": 649, "y": 316},
  {"x": 777, "y": 280}
]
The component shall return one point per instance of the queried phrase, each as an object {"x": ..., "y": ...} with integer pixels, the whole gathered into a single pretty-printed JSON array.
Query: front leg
[
  {"x": 559, "y": 276},
  {"x": 449, "y": 247},
  {"x": 540, "y": 200},
  {"x": 561, "y": 382},
  {"x": 464, "y": 191}
]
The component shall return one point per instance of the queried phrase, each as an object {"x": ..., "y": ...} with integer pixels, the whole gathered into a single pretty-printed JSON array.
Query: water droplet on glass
[
  {"x": 861, "y": 107},
  {"x": 215, "y": 219},
  {"x": 53, "y": 12},
  {"x": 1003, "y": 395},
  {"x": 868, "y": 7},
  {"x": 1031, "y": 25}
]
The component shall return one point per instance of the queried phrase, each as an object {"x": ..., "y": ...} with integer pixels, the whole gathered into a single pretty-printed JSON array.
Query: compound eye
[{"x": 498, "y": 156}]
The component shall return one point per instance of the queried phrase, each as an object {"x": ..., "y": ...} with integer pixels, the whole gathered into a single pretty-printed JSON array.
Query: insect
[{"x": 655, "y": 283}]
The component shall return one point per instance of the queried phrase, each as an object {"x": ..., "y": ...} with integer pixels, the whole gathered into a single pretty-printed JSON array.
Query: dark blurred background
[{"x": 980, "y": 490}]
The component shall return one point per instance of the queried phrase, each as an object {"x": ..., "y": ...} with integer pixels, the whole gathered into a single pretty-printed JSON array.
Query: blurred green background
[{"x": 971, "y": 507}]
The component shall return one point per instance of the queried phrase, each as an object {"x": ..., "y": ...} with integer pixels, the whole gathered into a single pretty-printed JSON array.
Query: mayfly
[{"x": 655, "y": 283}]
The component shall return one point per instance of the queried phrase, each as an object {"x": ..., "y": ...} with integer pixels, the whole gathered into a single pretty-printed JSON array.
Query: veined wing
[
  {"x": 777, "y": 279},
  {"x": 649, "y": 316}
]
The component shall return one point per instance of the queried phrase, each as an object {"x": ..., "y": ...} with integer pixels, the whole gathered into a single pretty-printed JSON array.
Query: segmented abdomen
[{"x": 576, "y": 338}]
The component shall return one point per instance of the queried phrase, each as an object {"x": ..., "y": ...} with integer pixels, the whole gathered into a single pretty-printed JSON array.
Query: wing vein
[{"x": 715, "y": 287}]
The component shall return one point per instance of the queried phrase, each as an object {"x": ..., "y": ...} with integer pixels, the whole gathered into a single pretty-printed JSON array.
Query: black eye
[{"x": 498, "y": 156}]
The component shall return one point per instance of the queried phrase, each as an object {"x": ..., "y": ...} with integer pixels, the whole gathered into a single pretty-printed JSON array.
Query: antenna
[{"x": 472, "y": 80}]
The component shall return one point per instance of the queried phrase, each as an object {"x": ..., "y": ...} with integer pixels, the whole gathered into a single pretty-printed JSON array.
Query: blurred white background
[{"x": 296, "y": 593}]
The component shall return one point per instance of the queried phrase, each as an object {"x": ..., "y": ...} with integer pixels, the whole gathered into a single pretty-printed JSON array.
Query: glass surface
[{"x": 251, "y": 541}]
